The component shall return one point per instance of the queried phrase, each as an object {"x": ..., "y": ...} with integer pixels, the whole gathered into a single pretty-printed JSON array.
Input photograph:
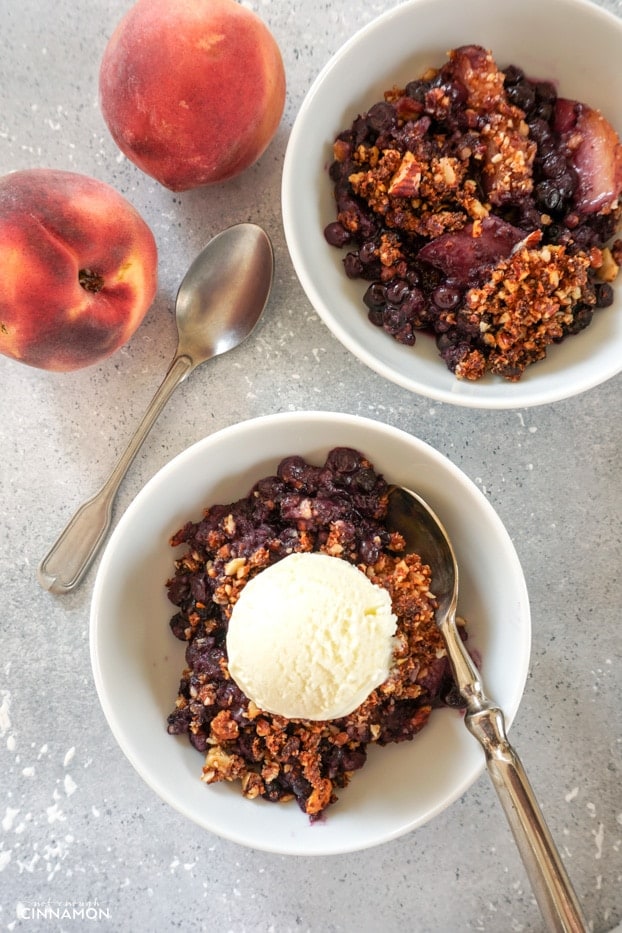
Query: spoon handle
[
  {"x": 65, "y": 564},
  {"x": 551, "y": 885}
]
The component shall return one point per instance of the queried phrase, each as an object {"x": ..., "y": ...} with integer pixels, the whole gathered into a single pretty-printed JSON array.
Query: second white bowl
[{"x": 571, "y": 42}]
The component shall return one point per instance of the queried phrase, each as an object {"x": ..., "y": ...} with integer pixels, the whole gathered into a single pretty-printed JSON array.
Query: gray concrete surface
[{"x": 77, "y": 824}]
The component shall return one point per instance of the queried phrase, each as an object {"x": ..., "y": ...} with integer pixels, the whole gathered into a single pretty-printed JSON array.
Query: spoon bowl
[
  {"x": 425, "y": 535},
  {"x": 224, "y": 292},
  {"x": 219, "y": 302}
]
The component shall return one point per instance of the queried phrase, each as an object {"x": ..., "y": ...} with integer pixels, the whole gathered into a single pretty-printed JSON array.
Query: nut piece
[{"x": 406, "y": 181}]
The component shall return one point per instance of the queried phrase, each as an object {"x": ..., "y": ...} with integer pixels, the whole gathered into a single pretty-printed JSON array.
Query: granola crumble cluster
[
  {"x": 467, "y": 200},
  {"x": 337, "y": 508},
  {"x": 542, "y": 287}
]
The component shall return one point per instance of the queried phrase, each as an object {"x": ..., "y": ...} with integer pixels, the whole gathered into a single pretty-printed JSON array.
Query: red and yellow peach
[
  {"x": 79, "y": 269},
  {"x": 192, "y": 91}
]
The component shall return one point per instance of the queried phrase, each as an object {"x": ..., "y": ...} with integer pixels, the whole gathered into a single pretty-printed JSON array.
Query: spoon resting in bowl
[
  {"x": 425, "y": 535},
  {"x": 219, "y": 302}
]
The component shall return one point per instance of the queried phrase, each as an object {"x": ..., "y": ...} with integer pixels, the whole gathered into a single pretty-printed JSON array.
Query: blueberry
[
  {"x": 604, "y": 295},
  {"x": 337, "y": 235},
  {"x": 347, "y": 205},
  {"x": 522, "y": 95},
  {"x": 513, "y": 75},
  {"x": 396, "y": 291},
  {"x": 543, "y": 110},
  {"x": 339, "y": 172},
  {"x": 368, "y": 252},
  {"x": 292, "y": 471},
  {"x": 549, "y": 196},
  {"x": 381, "y": 117},
  {"x": 375, "y": 317},
  {"x": 446, "y": 297},
  {"x": 343, "y": 460},
  {"x": 553, "y": 165},
  {"x": 367, "y": 225},
  {"x": 353, "y": 266},
  {"x": 414, "y": 302},
  {"x": 417, "y": 90},
  {"x": 394, "y": 319},
  {"x": 375, "y": 298},
  {"x": 566, "y": 184},
  {"x": 582, "y": 318},
  {"x": 545, "y": 92},
  {"x": 456, "y": 92}
]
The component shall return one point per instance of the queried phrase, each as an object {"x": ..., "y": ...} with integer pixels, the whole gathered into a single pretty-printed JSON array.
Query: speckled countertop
[{"x": 77, "y": 824}]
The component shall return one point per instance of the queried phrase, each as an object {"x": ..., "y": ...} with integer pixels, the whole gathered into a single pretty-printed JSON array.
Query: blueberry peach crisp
[
  {"x": 481, "y": 207},
  {"x": 338, "y": 509}
]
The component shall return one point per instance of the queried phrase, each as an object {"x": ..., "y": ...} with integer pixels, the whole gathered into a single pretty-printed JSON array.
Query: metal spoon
[
  {"x": 425, "y": 535},
  {"x": 218, "y": 304}
]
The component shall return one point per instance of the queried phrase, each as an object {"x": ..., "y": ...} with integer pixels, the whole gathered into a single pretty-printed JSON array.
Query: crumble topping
[
  {"x": 338, "y": 509},
  {"x": 526, "y": 305}
]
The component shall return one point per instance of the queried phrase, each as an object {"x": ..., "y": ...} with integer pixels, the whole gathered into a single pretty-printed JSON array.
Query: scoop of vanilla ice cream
[{"x": 310, "y": 637}]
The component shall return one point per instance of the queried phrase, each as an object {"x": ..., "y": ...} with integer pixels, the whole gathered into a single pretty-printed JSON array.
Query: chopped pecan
[{"x": 406, "y": 180}]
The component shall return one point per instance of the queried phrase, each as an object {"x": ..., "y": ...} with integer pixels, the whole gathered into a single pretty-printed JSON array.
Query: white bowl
[
  {"x": 137, "y": 662},
  {"x": 574, "y": 43}
]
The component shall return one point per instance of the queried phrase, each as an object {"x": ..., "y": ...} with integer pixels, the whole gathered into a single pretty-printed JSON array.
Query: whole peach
[
  {"x": 192, "y": 90},
  {"x": 79, "y": 269}
]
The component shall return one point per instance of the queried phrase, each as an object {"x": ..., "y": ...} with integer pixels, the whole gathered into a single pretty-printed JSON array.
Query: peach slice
[{"x": 596, "y": 155}]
